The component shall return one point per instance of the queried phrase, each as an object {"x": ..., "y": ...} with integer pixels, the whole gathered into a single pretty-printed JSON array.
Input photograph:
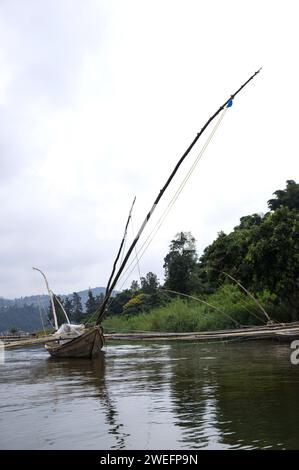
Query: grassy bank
[{"x": 183, "y": 315}]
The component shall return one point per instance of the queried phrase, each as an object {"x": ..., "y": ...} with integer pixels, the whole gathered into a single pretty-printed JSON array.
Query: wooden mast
[{"x": 102, "y": 309}]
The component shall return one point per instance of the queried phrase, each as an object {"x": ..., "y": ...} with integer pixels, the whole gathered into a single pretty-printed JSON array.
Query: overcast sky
[{"x": 98, "y": 101}]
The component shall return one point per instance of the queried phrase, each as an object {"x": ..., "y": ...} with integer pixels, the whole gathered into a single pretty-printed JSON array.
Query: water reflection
[
  {"x": 236, "y": 396},
  {"x": 177, "y": 395},
  {"x": 84, "y": 379}
]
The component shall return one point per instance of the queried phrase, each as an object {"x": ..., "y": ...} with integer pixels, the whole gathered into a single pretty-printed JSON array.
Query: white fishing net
[{"x": 67, "y": 329}]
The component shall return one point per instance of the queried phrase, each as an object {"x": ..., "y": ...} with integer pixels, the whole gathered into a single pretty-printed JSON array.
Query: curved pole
[
  {"x": 62, "y": 308},
  {"x": 101, "y": 311},
  {"x": 51, "y": 297},
  {"x": 249, "y": 293},
  {"x": 203, "y": 302}
]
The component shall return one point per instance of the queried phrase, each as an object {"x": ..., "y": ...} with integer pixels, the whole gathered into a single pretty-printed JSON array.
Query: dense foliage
[{"x": 262, "y": 253}]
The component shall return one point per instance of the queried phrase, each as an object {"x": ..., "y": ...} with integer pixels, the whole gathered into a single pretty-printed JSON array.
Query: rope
[
  {"x": 250, "y": 295},
  {"x": 204, "y": 302},
  {"x": 136, "y": 253},
  {"x": 40, "y": 314},
  {"x": 62, "y": 308},
  {"x": 245, "y": 307},
  {"x": 102, "y": 310},
  {"x": 159, "y": 223}
]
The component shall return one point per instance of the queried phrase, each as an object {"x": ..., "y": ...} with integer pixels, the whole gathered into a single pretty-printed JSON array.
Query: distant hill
[
  {"x": 84, "y": 294},
  {"x": 44, "y": 299},
  {"x": 24, "y": 313},
  {"x": 25, "y": 318}
]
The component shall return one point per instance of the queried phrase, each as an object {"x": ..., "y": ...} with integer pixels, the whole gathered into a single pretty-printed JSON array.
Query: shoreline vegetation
[
  {"x": 207, "y": 292},
  {"x": 179, "y": 315},
  {"x": 260, "y": 254}
]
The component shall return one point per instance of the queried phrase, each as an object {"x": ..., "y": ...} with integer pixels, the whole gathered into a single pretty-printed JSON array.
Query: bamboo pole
[{"x": 102, "y": 309}]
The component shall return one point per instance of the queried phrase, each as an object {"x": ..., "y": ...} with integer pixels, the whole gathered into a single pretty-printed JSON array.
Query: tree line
[
  {"x": 74, "y": 308},
  {"x": 261, "y": 252}
]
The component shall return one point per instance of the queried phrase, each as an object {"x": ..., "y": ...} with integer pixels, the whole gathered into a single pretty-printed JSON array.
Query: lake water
[{"x": 172, "y": 395}]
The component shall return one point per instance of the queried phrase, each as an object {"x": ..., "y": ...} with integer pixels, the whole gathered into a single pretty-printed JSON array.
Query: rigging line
[
  {"x": 62, "y": 307},
  {"x": 245, "y": 307},
  {"x": 162, "y": 218},
  {"x": 46, "y": 315},
  {"x": 40, "y": 313},
  {"x": 172, "y": 201},
  {"x": 102, "y": 310},
  {"x": 50, "y": 295},
  {"x": 249, "y": 293},
  {"x": 42, "y": 307},
  {"x": 204, "y": 302},
  {"x": 136, "y": 252},
  {"x": 125, "y": 242},
  {"x": 119, "y": 251},
  {"x": 245, "y": 290},
  {"x": 123, "y": 250}
]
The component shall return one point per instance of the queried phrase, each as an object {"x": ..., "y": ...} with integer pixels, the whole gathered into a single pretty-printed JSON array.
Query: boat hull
[{"x": 87, "y": 345}]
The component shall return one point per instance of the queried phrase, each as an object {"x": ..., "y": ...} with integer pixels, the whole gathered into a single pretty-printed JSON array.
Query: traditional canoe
[{"x": 87, "y": 345}]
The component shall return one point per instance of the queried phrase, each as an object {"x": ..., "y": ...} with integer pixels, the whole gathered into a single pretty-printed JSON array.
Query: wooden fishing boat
[
  {"x": 87, "y": 345},
  {"x": 72, "y": 340}
]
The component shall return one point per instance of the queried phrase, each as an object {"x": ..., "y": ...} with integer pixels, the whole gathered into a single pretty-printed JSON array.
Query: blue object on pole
[{"x": 229, "y": 104}]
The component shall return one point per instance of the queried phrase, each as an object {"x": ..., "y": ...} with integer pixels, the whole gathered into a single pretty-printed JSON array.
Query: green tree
[
  {"x": 180, "y": 264},
  {"x": 91, "y": 303},
  {"x": 150, "y": 286},
  {"x": 68, "y": 307},
  {"x": 228, "y": 253},
  {"x": 117, "y": 303},
  {"x": 58, "y": 310},
  {"x": 134, "y": 286},
  {"x": 274, "y": 257},
  {"x": 99, "y": 300},
  {"x": 77, "y": 307},
  {"x": 287, "y": 197},
  {"x": 262, "y": 252},
  {"x": 137, "y": 304},
  {"x": 150, "y": 283},
  {"x": 13, "y": 330}
]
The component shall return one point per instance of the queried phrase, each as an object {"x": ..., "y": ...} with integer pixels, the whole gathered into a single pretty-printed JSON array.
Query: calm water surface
[{"x": 175, "y": 395}]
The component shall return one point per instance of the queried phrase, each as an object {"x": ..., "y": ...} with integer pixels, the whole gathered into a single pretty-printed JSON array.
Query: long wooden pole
[
  {"x": 51, "y": 297},
  {"x": 249, "y": 293},
  {"x": 121, "y": 247},
  {"x": 102, "y": 309}
]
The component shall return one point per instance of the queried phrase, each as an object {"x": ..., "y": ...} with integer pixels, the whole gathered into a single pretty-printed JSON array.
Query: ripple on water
[{"x": 172, "y": 395}]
